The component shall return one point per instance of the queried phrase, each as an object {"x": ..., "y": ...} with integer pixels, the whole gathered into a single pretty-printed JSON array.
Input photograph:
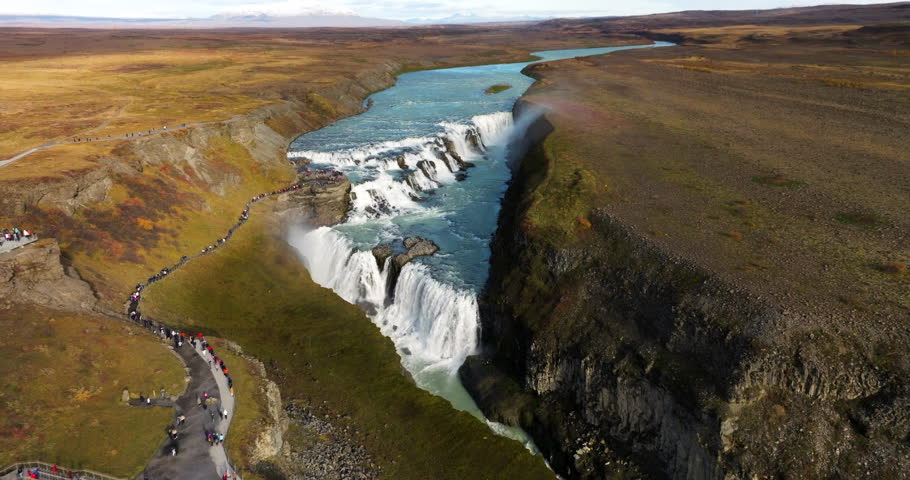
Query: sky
[{"x": 393, "y": 9}]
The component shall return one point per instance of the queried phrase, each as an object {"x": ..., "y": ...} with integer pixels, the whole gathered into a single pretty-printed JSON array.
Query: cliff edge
[
  {"x": 680, "y": 291},
  {"x": 34, "y": 274}
]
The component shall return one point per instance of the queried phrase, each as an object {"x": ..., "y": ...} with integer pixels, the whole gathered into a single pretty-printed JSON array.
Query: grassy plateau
[
  {"x": 326, "y": 351},
  {"x": 61, "y": 381}
]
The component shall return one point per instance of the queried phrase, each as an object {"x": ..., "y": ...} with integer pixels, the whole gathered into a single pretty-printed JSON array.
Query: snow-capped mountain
[
  {"x": 473, "y": 18},
  {"x": 285, "y": 14},
  {"x": 287, "y": 8}
]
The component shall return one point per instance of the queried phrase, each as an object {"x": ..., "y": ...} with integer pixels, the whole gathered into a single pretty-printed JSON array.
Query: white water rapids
[{"x": 434, "y": 325}]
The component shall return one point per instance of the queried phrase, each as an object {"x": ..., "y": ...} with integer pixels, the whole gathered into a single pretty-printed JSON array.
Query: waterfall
[
  {"x": 441, "y": 179},
  {"x": 431, "y": 323},
  {"x": 398, "y": 174},
  {"x": 334, "y": 263},
  {"x": 434, "y": 325},
  {"x": 432, "y": 320}
]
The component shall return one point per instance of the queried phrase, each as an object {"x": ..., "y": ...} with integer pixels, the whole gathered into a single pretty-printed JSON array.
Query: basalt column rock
[
  {"x": 450, "y": 147},
  {"x": 623, "y": 359}
]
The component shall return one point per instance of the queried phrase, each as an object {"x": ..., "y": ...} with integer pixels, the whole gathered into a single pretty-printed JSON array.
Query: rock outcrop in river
[{"x": 414, "y": 247}]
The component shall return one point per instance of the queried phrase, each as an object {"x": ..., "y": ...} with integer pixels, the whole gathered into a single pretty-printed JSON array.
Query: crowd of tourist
[
  {"x": 16, "y": 234},
  {"x": 180, "y": 339},
  {"x": 324, "y": 177},
  {"x": 127, "y": 135}
]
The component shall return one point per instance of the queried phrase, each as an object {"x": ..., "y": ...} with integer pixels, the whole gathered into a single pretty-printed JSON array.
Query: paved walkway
[
  {"x": 12, "y": 244},
  {"x": 219, "y": 456},
  {"x": 194, "y": 459}
]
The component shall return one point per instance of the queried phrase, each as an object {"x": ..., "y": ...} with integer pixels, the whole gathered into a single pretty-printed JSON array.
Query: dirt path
[{"x": 132, "y": 136}]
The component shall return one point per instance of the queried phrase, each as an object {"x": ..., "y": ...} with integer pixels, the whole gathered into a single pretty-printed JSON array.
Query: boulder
[
  {"x": 450, "y": 147},
  {"x": 416, "y": 247},
  {"x": 381, "y": 253},
  {"x": 34, "y": 274},
  {"x": 474, "y": 140},
  {"x": 427, "y": 168}
]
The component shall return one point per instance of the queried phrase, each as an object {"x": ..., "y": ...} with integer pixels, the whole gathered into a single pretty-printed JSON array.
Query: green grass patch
[
  {"x": 861, "y": 219},
  {"x": 563, "y": 199},
  {"x": 61, "y": 381},
  {"x": 323, "y": 350},
  {"x": 499, "y": 87},
  {"x": 778, "y": 181}
]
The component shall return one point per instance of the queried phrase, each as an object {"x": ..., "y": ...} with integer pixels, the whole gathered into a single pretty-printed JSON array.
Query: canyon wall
[{"x": 620, "y": 358}]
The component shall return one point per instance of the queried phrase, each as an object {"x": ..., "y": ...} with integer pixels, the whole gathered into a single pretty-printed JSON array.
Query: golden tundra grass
[{"x": 62, "y": 376}]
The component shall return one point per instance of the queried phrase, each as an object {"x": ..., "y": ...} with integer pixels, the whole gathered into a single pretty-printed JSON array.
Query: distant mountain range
[
  {"x": 471, "y": 18},
  {"x": 307, "y": 13},
  {"x": 238, "y": 19},
  {"x": 249, "y": 19},
  {"x": 285, "y": 14}
]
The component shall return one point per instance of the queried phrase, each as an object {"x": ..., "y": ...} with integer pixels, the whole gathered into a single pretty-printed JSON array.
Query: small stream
[{"x": 403, "y": 157}]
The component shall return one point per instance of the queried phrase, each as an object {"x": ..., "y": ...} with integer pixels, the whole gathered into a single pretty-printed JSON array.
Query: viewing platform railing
[
  {"x": 9, "y": 245},
  {"x": 46, "y": 471}
]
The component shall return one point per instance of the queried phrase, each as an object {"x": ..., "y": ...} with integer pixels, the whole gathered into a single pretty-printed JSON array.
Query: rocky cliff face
[
  {"x": 67, "y": 193},
  {"x": 621, "y": 359},
  {"x": 34, "y": 274},
  {"x": 315, "y": 205},
  {"x": 264, "y": 134}
]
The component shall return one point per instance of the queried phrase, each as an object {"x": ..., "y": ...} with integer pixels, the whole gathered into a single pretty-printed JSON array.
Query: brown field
[
  {"x": 780, "y": 164},
  {"x": 63, "y": 84}
]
